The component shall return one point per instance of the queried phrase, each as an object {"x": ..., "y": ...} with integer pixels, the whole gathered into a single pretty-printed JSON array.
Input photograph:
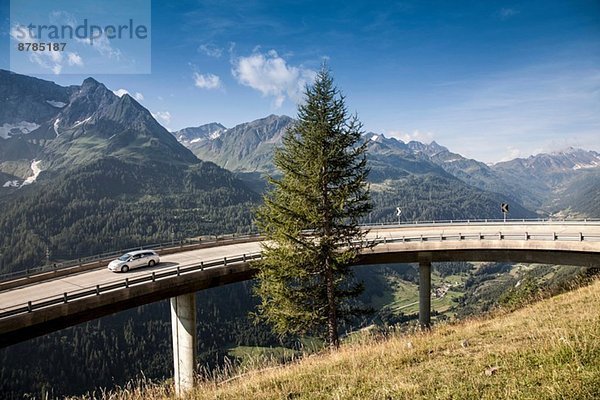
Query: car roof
[{"x": 133, "y": 253}]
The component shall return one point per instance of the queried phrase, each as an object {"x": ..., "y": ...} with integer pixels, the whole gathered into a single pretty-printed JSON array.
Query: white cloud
[
  {"x": 506, "y": 13},
  {"x": 120, "y": 92},
  {"x": 62, "y": 17},
  {"x": 527, "y": 108},
  {"x": 162, "y": 116},
  {"x": 74, "y": 59},
  {"x": 511, "y": 153},
  {"x": 272, "y": 76},
  {"x": 100, "y": 44},
  {"x": 103, "y": 46},
  {"x": 211, "y": 50},
  {"x": 207, "y": 81},
  {"x": 53, "y": 60},
  {"x": 423, "y": 137}
]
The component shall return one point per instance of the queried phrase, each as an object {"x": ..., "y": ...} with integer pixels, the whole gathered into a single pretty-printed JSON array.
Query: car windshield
[{"x": 124, "y": 257}]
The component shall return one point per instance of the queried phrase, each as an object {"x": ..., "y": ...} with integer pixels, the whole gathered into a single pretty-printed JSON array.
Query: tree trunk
[{"x": 332, "y": 329}]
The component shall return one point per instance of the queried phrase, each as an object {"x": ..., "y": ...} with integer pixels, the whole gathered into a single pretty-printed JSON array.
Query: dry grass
[{"x": 548, "y": 350}]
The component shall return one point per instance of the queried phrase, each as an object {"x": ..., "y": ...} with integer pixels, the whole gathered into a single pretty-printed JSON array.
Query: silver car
[{"x": 134, "y": 259}]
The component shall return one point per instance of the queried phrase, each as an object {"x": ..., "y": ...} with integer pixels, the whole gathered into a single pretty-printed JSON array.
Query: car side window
[{"x": 137, "y": 256}]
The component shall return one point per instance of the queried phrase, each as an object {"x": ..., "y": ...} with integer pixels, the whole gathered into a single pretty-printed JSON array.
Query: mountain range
[
  {"x": 66, "y": 126},
  {"x": 247, "y": 147},
  {"x": 83, "y": 170},
  {"x": 544, "y": 183}
]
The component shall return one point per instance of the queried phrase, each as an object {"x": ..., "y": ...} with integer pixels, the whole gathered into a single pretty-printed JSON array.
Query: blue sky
[{"x": 490, "y": 80}]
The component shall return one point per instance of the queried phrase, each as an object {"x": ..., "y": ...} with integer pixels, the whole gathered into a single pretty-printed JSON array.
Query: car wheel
[
  {"x": 151, "y": 263},
  {"x": 124, "y": 268}
]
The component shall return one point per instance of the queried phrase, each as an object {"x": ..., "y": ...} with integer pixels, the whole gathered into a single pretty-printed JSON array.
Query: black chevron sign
[{"x": 504, "y": 207}]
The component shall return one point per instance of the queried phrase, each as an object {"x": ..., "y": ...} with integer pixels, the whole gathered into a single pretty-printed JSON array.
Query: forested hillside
[
  {"x": 90, "y": 172},
  {"x": 111, "y": 204}
]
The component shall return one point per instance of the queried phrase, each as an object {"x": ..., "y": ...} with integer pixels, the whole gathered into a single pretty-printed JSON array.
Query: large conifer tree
[{"x": 310, "y": 218}]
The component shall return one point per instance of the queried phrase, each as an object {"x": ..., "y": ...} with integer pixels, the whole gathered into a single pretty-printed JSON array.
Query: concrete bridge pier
[
  {"x": 425, "y": 294},
  {"x": 183, "y": 326}
]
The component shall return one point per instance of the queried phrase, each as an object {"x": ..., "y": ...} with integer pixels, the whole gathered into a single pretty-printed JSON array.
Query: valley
[{"x": 85, "y": 171}]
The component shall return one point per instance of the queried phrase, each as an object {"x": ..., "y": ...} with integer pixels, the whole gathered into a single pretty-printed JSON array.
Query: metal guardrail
[
  {"x": 492, "y": 236},
  {"x": 493, "y": 221},
  {"x": 181, "y": 270},
  {"x": 106, "y": 256},
  {"x": 126, "y": 283},
  {"x": 232, "y": 237}
]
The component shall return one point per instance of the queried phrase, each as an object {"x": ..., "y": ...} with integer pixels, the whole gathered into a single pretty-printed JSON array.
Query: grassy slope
[{"x": 549, "y": 350}]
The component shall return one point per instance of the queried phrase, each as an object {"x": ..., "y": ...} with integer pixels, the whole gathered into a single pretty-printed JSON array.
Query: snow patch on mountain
[
  {"x": 11, "y": 184},
  {"x": 56, "y": 127},
  {"x": 593, "y": 164},
  {"x": 77, "y": 123},
  {"x": 57, "y": 104},
  {"x": 21, "y": 128},
  {"x": 214, "y": 135},
  {"x": 35, "y": 167}
]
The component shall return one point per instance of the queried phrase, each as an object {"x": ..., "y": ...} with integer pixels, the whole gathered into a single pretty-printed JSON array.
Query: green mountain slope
[
  {"x": 96, "y": 172},
  {"x": 247, "y": 147},
  {"x": 547, "y": 180}
]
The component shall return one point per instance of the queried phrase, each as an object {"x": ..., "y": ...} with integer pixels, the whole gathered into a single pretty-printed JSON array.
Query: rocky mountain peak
[
  {"x": 90, "y": 82},
  {"x": 65, "y": 126}
]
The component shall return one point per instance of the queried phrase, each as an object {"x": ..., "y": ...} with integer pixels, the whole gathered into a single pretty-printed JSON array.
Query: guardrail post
[
  {"x": 554, "y": 237},
  {"x": 580, "y": 237},
  {"x": 460, "y": 237},
  {"x": 65, "y": 297},
  {"x": 126, "y": 282},
  {"x": 244, "y": 257},
  {"x": 480, "y": 236},
  {"x": 29, "y": 309},
  {"x": 527, "y": 236},
  {"x": 384, "y": 240},
  {"x": 178, "y": 271},
  {"x": 97, "y": 289},
  {"x": 201, "y": 265},
  {"x": 225, "y": 261}
]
